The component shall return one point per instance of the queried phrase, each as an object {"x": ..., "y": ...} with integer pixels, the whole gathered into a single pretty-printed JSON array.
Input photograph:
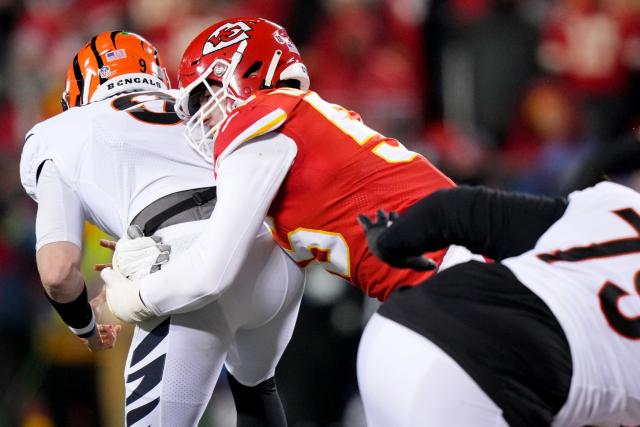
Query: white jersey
[
  {"x": 118, "y": 156},
  {"x": 586, "y": 268}
]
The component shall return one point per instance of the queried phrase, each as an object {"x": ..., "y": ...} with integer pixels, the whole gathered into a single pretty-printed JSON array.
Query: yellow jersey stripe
[{"x": 267, "y": 127}]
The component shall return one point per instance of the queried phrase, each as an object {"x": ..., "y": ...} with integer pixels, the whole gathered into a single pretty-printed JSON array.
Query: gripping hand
[
  {"x": 373, "y": 231},
  {"x": 123, "y": 297},
  {"x": 135, "y": 256}
]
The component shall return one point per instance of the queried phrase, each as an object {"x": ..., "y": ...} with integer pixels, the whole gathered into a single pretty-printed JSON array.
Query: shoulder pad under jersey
[
  {"x": 34, "y": 152},
  {"x": 260, "y": 114},
  {"x": 59, "y": 138}
]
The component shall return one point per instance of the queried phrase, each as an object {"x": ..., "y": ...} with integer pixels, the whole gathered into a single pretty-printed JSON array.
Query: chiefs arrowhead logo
[{"x": 225, "y": 36}]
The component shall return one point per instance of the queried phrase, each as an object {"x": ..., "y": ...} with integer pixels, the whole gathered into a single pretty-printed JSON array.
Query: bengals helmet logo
[{"x": 225, "y": 36}]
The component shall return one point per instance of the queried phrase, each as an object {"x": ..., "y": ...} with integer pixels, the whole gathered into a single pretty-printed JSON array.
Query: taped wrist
[{"x": 77, "y": 314}]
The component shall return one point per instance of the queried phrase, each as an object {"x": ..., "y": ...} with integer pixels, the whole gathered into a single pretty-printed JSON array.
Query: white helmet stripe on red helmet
[{"x": 272, "y": 67}]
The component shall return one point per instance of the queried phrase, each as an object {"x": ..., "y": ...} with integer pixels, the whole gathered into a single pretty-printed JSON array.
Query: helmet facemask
[
  {"x": 207, "y": 102},
  {"x": 219, "y": 64}
]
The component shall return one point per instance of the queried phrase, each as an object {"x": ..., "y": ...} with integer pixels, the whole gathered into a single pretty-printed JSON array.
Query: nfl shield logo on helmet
[{"x": 104, "y": 72}]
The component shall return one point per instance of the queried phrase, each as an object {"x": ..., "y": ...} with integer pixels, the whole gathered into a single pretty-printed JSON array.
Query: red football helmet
[{"x": 229, "y": 62}]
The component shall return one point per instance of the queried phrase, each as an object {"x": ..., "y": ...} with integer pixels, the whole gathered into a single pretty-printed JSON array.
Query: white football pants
[
  {"x": 174, "y": 362},
  {"x": 407, "y": 381}
]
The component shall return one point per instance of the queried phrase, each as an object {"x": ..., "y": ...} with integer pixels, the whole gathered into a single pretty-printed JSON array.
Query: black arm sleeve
[{"x": 489, "y": 222}]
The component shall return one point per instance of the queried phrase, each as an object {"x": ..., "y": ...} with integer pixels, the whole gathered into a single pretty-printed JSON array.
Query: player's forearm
[
  {"x": 248, "y": 180},
  {"x": 59, "y": 268},
  {"x": 59, "y": 223},
  {"x": 58, "y": 265},
  {"x": 202, "y": 273},
  {"x": 492, "y": 223}
]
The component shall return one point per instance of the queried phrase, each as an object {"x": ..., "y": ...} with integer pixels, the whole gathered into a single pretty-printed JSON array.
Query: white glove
[
  {"x": 136, "y": 256},
  {"x": 123, "y": 297}
]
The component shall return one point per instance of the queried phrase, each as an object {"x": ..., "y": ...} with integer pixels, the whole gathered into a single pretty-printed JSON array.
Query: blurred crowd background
[{"x": 532, "y": 95}]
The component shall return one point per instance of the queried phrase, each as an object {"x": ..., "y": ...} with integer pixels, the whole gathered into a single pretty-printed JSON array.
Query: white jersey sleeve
[
  {"x": 34, "y": 153},
  {"x": 118, "y": 155},
  {"x": 60, "y": 216},
  {"x": 248, "y": 180}
]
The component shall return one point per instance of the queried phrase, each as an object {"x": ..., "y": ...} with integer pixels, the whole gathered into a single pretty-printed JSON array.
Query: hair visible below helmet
[
  {"x": 230, "y": 61},
  {"x": 111, "y": 63}
]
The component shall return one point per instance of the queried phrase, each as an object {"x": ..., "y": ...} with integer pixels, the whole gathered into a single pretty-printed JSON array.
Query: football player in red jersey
[{"x": 282, "y": 153}]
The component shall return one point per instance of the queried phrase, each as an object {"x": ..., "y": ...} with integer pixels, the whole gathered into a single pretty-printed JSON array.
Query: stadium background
[{"x": 530, "y": 95}]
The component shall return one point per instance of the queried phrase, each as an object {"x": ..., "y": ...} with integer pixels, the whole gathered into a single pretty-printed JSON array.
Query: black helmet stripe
[
  {"x": 77, "y": 72},
  {"x": 113, "y": 38},
  {"x": 98, "y": 59}
]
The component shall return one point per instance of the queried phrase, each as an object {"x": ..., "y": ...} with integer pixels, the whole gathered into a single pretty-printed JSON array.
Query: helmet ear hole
[{"x": 253, "y": 70}]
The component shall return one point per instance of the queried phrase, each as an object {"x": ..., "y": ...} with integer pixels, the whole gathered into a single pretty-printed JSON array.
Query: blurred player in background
[
  {"x": 281, "y": 152},
  {"x": 116, "y": 158},
  {"x": 549, "y": 335}
]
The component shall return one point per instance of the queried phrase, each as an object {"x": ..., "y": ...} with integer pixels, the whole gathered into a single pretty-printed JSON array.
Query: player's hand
[
  {"x": 135, "y": 256},
  {"x": 123, "y": 297},
  {"x": 373, "y": 231},
  {"x": 104, "y": 338}
]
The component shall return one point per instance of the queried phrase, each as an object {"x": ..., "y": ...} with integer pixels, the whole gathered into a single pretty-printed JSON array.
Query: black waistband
[{"x": 176, "y": 208}]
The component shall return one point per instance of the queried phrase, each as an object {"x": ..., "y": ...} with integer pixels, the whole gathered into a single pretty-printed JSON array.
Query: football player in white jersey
[
  {"x": 115, "y": 157},
  {"x": 547, "y": 335}
]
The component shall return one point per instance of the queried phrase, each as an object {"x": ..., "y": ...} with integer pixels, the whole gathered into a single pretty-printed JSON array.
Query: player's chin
[{"x": 213, "y": 119}]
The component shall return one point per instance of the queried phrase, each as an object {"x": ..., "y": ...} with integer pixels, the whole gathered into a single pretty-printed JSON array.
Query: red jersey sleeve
[{"x": 263, "y": 113}]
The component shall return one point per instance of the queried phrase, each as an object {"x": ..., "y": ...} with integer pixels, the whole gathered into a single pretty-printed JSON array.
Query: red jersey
[{"x": 342, "y": 168}]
